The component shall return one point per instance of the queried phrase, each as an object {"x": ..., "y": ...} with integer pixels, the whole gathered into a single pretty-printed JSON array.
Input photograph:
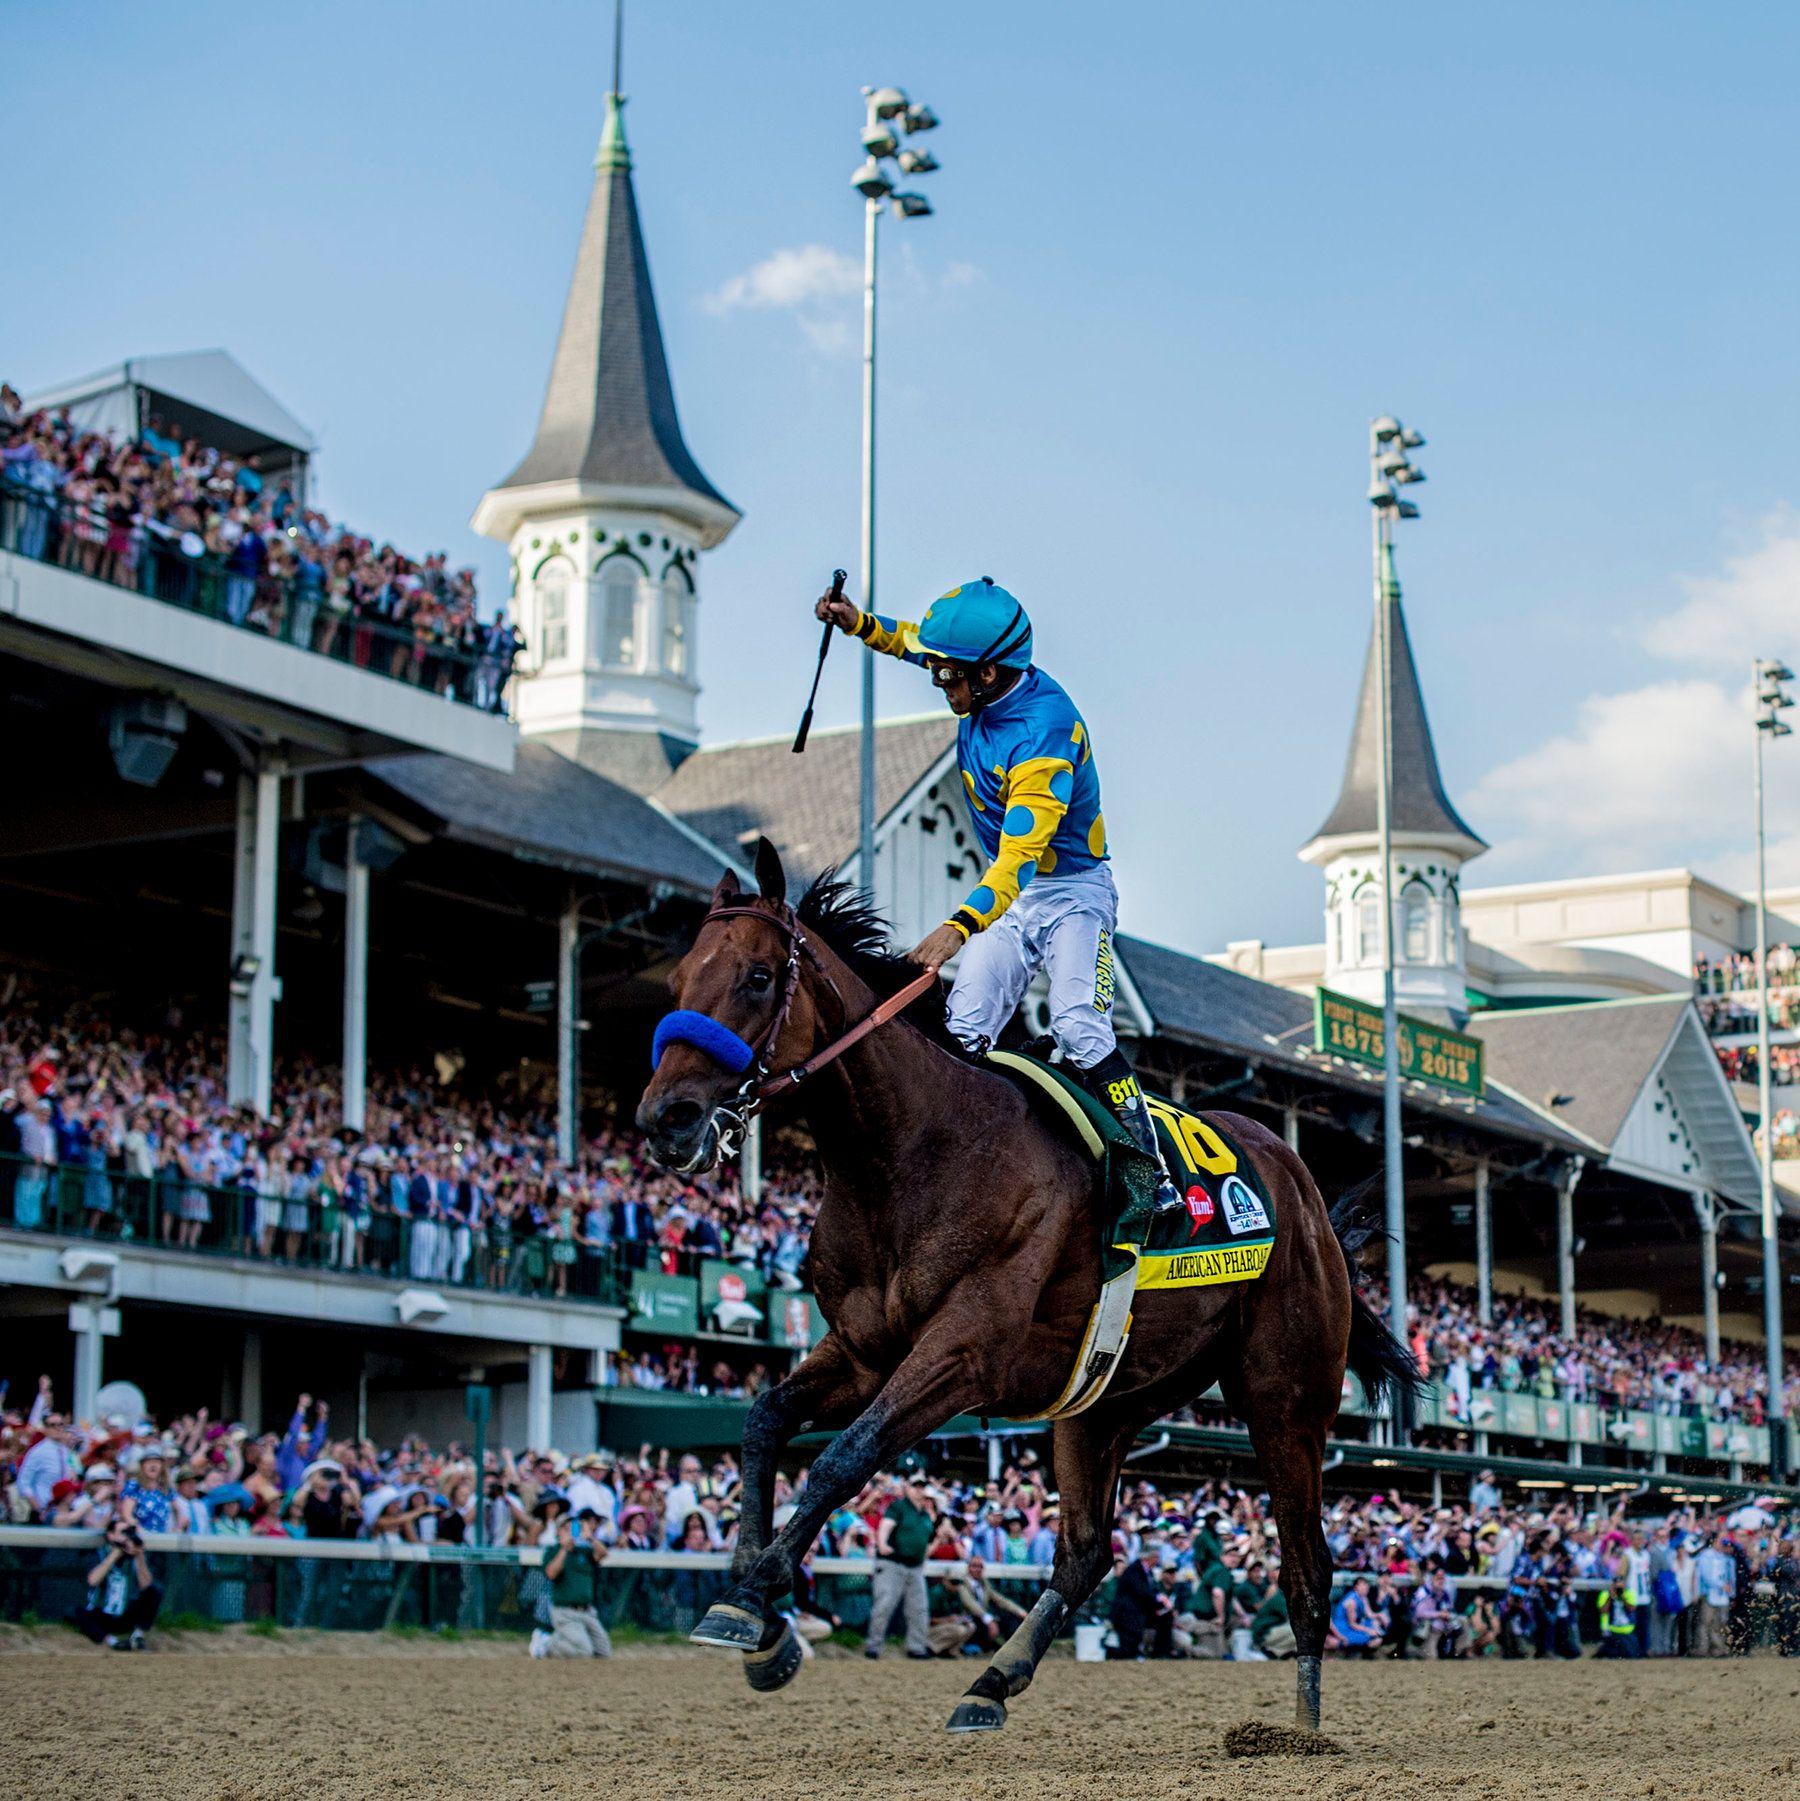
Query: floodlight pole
[
  {"x": 1394, "y": 1181},
  {"x": 865, "y": 836},
  {"x": 1766, "y": 677},
  {"x": 872, "y": 181}
]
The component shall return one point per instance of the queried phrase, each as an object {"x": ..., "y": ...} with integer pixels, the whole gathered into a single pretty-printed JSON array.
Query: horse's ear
[
  {"x": 726, "y": 888},
  {"x": 771, "y": 878}
]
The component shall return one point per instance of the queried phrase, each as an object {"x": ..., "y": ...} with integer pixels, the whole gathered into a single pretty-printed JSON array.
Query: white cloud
[
  {"x": 1640, "y": 773},
  {"x": 1749, "y": 610},
  {"x": 803, "y": 276},
  {"x": 1660, "y": 774},
  {"x": 822, "y": 288}
]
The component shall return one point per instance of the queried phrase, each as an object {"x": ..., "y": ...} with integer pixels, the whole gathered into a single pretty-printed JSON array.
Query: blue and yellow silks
[{"x": 1028, "y": 771}]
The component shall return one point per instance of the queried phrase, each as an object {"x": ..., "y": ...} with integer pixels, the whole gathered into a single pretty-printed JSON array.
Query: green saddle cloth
[{"x": 1227, "y": 1228}]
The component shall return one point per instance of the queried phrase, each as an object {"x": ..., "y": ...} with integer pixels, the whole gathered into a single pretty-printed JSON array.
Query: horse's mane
[{"x": 848, "y": 920}]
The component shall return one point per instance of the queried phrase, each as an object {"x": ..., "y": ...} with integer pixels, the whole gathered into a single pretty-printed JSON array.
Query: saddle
[{"x": 1225, "y": 1233}]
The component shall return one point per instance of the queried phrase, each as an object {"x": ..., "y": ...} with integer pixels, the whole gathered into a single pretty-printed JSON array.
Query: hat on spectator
[
  {"x": 99, "y": 1472},
  {"x": 63, "y": 1490},
  {"x": 550, "y": 1497},
  {"x": 320, "y": 1463},
  {"x": 377, "y": 1501}
]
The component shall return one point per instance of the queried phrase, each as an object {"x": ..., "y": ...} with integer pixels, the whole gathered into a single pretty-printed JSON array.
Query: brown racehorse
[{"x": 956, "y": 1257}]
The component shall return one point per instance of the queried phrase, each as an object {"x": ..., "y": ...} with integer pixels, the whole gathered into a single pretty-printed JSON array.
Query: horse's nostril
[{"x": 678, "y": 1118}]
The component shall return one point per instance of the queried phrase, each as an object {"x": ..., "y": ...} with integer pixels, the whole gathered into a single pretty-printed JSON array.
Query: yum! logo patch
[{"x": 1200, "y": 1208}]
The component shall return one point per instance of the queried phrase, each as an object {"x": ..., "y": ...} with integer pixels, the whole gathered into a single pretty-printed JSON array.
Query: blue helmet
[{"x": 975, "y": 624}]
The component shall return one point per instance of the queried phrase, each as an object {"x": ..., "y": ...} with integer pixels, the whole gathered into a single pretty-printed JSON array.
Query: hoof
[
  {"x": 776, "y": 1667},
  {"x": 730, "y": 1628},
  {"x": 974, "y": 1713}
]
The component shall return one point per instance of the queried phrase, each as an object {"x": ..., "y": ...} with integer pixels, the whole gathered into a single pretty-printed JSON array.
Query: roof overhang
[
  {"x": 501, "y": 511},
  {"x": 1323, "y": 850},
  {"x": 1690, "y": 1070}
]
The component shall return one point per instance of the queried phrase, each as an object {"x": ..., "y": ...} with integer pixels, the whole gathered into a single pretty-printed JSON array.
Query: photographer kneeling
[{"x": 117, "y": 1613}]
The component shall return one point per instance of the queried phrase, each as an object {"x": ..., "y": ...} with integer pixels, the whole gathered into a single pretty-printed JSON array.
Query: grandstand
[{"x": 396, "y": 859}]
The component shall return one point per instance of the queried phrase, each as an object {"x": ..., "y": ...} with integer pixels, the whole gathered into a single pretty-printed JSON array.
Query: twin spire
[
  {"x": 609, "y": 419},
  {"x": 1421, "y": 808}
]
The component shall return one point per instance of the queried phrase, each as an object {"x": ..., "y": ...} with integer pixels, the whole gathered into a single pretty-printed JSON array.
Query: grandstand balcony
[
  {"x": 277, "y": 661},
  {"x": 152, "y": 1257}
]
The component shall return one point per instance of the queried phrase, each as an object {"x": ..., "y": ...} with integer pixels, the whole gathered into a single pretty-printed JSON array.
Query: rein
[{"x": 737, "y": 1054}]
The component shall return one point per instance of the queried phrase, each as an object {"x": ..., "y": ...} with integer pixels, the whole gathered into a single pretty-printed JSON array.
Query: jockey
[{"x": 1046, "y": 900}]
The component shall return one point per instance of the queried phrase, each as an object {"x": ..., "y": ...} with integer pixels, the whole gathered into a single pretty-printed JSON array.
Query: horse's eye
[{"x": 759, "y": 979}]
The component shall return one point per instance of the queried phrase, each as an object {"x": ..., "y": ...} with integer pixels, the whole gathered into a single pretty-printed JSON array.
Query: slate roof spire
[
  {"x": 609, "y": 418},
  {"x": 1421, "y": 808}
]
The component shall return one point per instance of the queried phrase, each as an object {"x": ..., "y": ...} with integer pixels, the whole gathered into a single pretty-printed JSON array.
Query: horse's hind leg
[
  {"x": 1287, "y": 1394},
  {"x": 1087, "y": 1454}
]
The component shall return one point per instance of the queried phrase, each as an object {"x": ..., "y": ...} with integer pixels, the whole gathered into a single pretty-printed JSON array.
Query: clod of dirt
[{"x": 1257, "y": 1738}]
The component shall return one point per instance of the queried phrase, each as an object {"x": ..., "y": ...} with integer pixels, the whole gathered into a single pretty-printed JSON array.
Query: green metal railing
[{"x": 48, "y": 529}]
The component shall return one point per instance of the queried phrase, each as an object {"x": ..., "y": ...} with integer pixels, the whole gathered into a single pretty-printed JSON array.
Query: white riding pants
[{"x": 1063, "y": 925}]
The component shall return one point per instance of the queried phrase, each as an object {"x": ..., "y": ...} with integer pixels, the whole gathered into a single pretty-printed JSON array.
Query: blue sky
[{"x": 1182, "y": 254}]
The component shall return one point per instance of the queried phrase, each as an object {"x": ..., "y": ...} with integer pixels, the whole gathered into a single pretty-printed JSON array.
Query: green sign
[
  {"x": 794, "y": 1319},
  {"x": 1428, "y": 1053},
  {"x": 726, "y": 1289},
  {"x": 665, "y": 1304}
]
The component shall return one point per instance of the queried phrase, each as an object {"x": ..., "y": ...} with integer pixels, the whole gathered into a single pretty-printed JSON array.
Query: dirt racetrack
[{"x": 357, "y": 1717}]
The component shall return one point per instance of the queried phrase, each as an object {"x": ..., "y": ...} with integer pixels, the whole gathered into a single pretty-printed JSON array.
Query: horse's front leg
[
  {"x": 936, "y": 1381},
  {"x": 824, "y": 1389},
  {"x": 1087, "y": 1454}
]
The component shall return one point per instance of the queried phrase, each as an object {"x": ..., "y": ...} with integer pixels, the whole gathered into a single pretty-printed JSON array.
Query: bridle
[{"x": 731, "y": 1119}]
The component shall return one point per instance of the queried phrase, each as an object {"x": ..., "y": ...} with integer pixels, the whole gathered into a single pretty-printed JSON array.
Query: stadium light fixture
[
  {"x": 871, "y": 181},
  {"x": 1768, "y": 679},
  {"x": 889, "y": 111}
]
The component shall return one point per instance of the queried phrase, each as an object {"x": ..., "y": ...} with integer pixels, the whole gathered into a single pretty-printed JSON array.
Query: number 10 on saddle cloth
[{"x": 1227, "y": 1229}]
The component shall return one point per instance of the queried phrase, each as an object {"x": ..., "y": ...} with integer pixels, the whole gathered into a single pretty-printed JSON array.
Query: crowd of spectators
[
  {"x": 1195, "y": 1567},
  {"x": 133, "y": 1131},
  {"x": 1736, "y": 974},
  {"x": 1727, "y": 997},
  {"x": 1741, "y": 1063},
  {"x": 121, "y": 1130},
  {"x": 1645, "y": 1365},
  {"x": 173, "y": 517}
]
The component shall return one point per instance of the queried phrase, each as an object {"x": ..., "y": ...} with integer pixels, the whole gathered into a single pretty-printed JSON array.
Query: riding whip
[{"x": 837, "y": 593}]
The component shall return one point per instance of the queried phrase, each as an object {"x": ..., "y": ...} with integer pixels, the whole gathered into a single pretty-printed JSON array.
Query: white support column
[
  {"x": 537, "y": 1398},
  {"x": 568, "y": 1008},
  {"x": 250, "y": 1380},
  {"x": 1484, "y": 1246},
  {"x": 250, "y": 1052},
  {"x": 1290, "y": 1128},
  {"x": 88, "y": 1320},
  {"x": 750, "y": 1169},
  {"x": 1565, "y": 1242},
  {"x": 1707, "y": 1213},
  {"x": 356, "y": 977}
]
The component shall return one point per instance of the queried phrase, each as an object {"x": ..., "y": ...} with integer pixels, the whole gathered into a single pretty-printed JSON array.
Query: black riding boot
[{"x": 1112, "y": 1083}]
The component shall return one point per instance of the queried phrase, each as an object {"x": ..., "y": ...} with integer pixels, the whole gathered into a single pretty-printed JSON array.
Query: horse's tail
[{"x": 1381, "y": 1362}]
